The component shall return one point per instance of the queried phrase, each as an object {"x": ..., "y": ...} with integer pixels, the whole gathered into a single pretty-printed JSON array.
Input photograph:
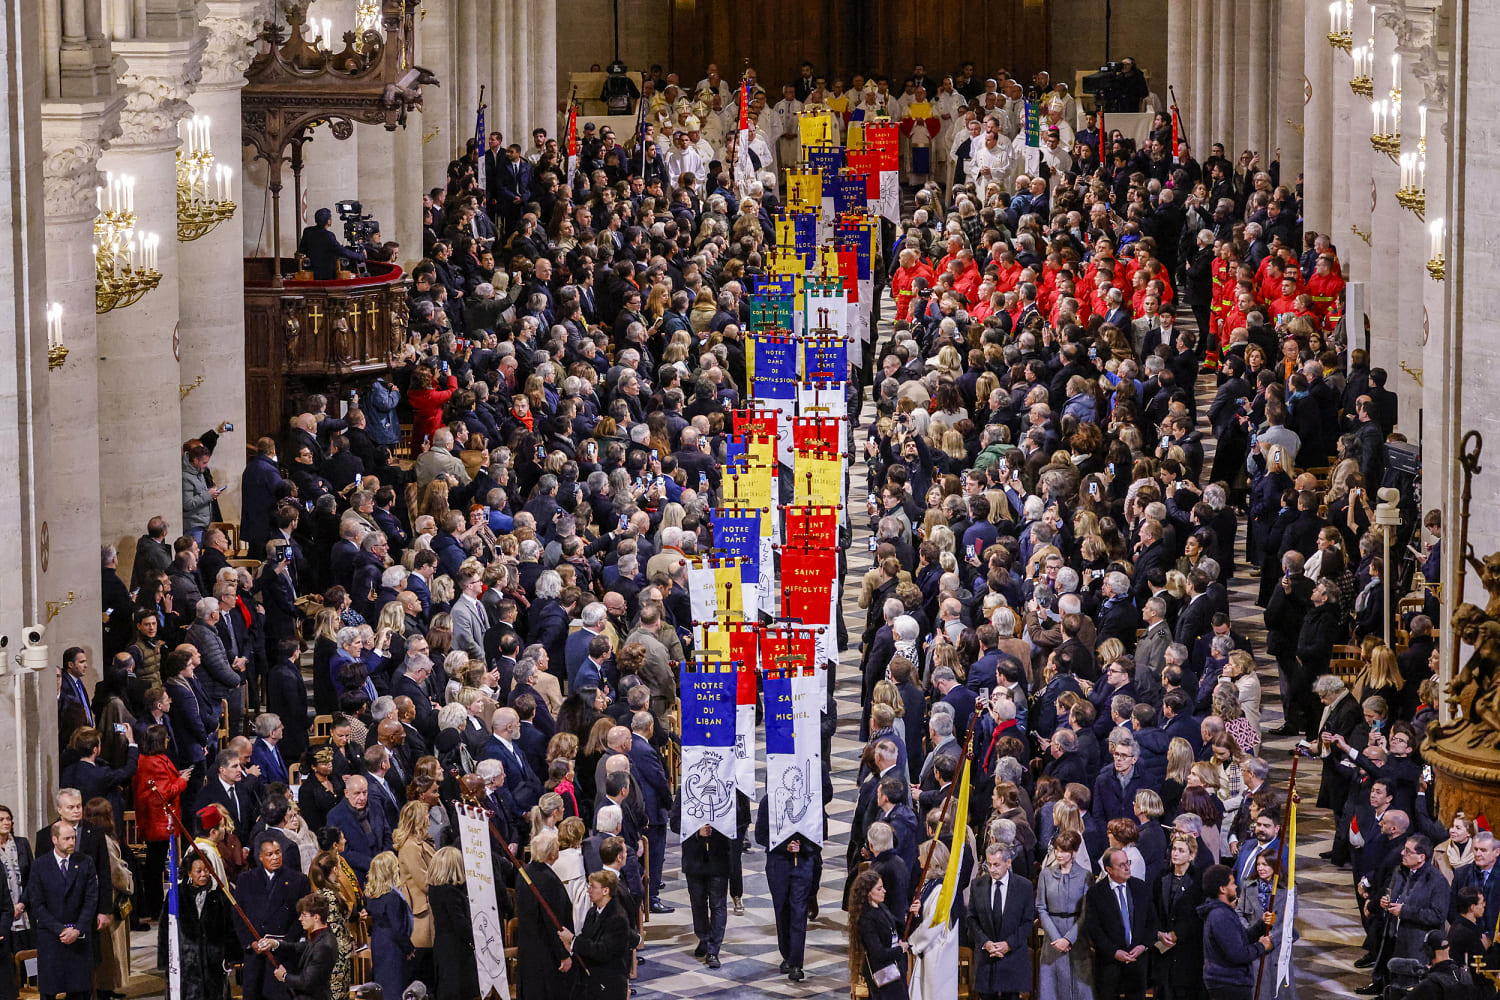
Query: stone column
[
  {"x": 1385, "y": 224},
  {"x": 1287, "y": 124},
  {"x": 1203, "y": 124},
  {"x": 211, "y": 334},
  {"x": 1179, "y": 49},
  {"x": 1255, "y": 57},
  {"x": 28, "y": 737},
  {"x": 521, "y": 46},
  {"x": 1471, "y": 353},
  {"x": 435, "y": 51},
  {"x": 1351, "y": 126},
  {"x": 140, "y": 472},
  {"x": 1432, "y": 69},
  {"x": 503, "y": 103},
  {"x": 73, "y": 137},
  {"x": 1223, "y": 76},
  {"x": 1318, "y": 141},
  {"x": 544, "y": 66}
]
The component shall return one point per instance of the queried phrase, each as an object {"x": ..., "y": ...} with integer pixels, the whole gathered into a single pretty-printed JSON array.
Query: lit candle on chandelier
[
  {"x": 1333, "y": 17},
  {"x": 1422, "y": 120},
  {"x": 1437, "y": 238}
]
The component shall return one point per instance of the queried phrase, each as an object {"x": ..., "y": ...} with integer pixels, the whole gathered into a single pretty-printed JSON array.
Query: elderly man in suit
[
  {"x": 1001, "y": 911},
  {"x": 366, "y": 832},
  {"x": 647, "y": 771},
  {"x": 1121, "y": 922},
  {"x": 63, "y": 899}
]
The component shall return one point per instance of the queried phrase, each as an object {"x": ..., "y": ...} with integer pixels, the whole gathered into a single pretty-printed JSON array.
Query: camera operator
[
  {"x": 1444, "y": 978},
  {"x": 1128, "y": 89},
  {"x": 323, "y": 249}
]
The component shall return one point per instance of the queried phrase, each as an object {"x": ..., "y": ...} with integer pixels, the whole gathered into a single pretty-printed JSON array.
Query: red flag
[
  {"x": 1481, "y": 822},
  {"x": 744, "y": 105},
  {"x": 572, "y": 130}
]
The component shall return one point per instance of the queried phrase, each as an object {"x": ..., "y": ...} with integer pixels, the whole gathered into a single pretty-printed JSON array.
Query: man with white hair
[
  {"x": 504, "y": 746},
  {"x": 878, "y": 653},
  {"x": 439, "y": 460},
  {"x": 220, "y": 675},
  {"x": 594, "y": 619}
]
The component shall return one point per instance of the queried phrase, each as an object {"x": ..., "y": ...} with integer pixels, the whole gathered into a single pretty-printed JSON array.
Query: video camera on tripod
[
  {"x": 359, "y": 228},
  {"x": 1104, "y": 83}
]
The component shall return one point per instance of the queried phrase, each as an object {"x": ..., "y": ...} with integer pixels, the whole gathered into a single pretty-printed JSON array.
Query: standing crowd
[{"x": 469, "y": 585}]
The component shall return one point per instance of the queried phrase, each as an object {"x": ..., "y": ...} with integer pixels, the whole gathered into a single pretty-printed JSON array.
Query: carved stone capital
[
  {"x": 159, "y": 78},
  {"x": 232, "y": 27},
  {"x": 74, "y": 136}
]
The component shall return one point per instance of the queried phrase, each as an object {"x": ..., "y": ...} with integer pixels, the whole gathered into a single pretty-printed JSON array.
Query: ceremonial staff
[
  {"x": 176, "y": 818},
  {"x": 521, "y": 869},
  {"x": 1291, "y": 847},
  {"x": 958, "y": 843}
]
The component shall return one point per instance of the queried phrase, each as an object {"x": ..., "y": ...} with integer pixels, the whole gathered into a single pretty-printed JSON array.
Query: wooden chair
[
  {"x": 293, "y": 773},
  {"x": 322, "y": 730},
  {"x": 132, "y": 832},
  {"x": 1346, "y": 670},
  {"x": 1411, "y": 605},
  {"x": 512, "y": 957},
  {"x": 359, "y": 956},
  {"x": 232, "y": 533},
  {"x": 1344, "y": 651},
  {"x": 223, "y": 722},
  {"x": 28, "y": 991},
  {"x": 403, "y": 449},
  {"x": 965, "y": 972}
]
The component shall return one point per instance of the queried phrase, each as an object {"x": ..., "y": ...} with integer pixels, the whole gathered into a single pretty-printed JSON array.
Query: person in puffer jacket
[{"x": 1229, "y": 953}]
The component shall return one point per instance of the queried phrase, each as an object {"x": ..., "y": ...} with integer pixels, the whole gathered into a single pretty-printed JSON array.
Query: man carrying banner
[{"x": 1229, "y": 954}]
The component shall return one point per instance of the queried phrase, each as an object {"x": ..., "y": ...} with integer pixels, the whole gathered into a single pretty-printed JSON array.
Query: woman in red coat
[
  {"x": 912, "y": 267},
  {"x": 427, "y": 401},
  {"x": 151, "y": 818}
]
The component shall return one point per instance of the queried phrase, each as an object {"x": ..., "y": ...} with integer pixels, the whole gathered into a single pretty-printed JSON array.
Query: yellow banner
[
  {"x": 827, "y": 477},
  {"x": 815, "y": 127},
  {"x": 956, "y": 856},
  {"x": 751, "y": 486},
  {"x": 804, "y": 192}
]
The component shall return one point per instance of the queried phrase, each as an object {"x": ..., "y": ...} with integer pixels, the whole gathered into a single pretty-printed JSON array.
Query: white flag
[{"x": 479, "y": 878}]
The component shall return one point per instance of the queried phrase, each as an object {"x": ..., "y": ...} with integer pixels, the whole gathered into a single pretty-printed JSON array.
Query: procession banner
[
  {"x": 794, "y": 774},
  {"x": 885, "y": 139},
  {"x": 804, "y": 190},
  {"x": 744, "y": 652},
  {"x": 703, "y": 596},
  {"x": 736, "y": 533},
  {"x": 811, "y": 525},
  {"x": 823, "y": 399},
  {"x": 823, "y": 435},
  {"x": 775, "y": 377},
  {"x": 818, "y": 478},
  {"x": 807, "y": 577},
  {"x": 479, "y": 878},
  {"x": 752, "y": 486},
  {"x": 824, "y": 158},
  {"x": 825, "y": 358},
  {"x": 814, "y": 128},
  {"x": 789, "y": 647},
  {"x": 709, "y": 698}
]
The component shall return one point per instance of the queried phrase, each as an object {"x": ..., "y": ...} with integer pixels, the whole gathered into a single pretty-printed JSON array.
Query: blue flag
[
  {"x": 710, "y": 697},
  {"x": 174, "y": 950},
  {"x": 738, "y": 534},
  {"x": 775, "y": 369}
]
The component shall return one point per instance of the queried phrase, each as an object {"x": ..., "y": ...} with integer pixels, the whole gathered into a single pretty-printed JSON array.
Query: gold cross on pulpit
[
  {"x": 372, "y": 310},
  {"x": 317, "y": 319}
]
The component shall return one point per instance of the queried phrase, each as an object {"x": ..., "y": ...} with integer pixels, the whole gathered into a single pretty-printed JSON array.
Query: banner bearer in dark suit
[
  {"x": 1001, "y": 911},
  {"x": 63, "y": 898},
  {"x": 1121, "y": 922}
]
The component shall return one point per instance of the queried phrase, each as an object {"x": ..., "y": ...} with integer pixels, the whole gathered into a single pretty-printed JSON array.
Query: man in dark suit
[
  {"x": 94, "y": 778},
  {"x": 647, "y": 772},
  {"x": 514, "y": 186},
  {"x": 1001, "y": 911},
  {"x": 224, "y": 789},
  {"x": 894, "y": 872},
  {"x": 494, "y": 162},
  {"x": 1121, "y": 922},
  {"x": 533, "y": 742},
  {"x": 955, "y": 694},
  {"x": 366, "y": 833},
  {"x": 269, "y": 729},
  {"x": 273, "y": 816},
  {"x": 524, "y": 784},
  {"x": 385, "y": 794},
  {"x": 268, "y": 893},
  {"x": 323, "y": 249},
  {"x": 1197, "y": 615},
  {"x": 63, "y": 898},
  {"x": 1481, "y": 875},
  {"x": 412, "y": 684}
]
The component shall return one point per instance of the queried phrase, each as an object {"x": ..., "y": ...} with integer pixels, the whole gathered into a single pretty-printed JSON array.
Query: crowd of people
[{"x": 499, "y": 619}]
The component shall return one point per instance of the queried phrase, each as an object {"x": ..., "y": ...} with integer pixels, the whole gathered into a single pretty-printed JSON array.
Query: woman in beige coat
[{"x": 415, "y": 849}]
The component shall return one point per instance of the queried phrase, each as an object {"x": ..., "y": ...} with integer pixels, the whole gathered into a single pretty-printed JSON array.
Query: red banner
[
  {"x": 818, "y": 434},
  {"x": 744, "y": 647},
  {"x": 807, "y": 525},
  {"x": 757, "y": 422},
  {"x": 849, "y": 273},
  {"x": 867, "y": 163},
  {"x": 885, "y": 139},
  {"x": 807, "y": 578},
  {"x": 788, "y": 648}
]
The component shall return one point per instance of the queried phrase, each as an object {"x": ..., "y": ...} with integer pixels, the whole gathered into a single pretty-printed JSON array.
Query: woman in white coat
[
  {"x": 934, "y": 950},
  {"x": 569, "y": 866}
]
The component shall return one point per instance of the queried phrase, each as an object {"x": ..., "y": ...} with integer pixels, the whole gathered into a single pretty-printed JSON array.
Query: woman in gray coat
[
  {"x": 1065, "y": 973},
  {"x": 1267, "y": 891}
]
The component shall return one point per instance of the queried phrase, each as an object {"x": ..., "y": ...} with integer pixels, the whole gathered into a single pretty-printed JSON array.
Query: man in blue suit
[
  {"x": 268, "y": 733},
  {"x": 63, "y": 901},
  {"x": 366, "y": 832},
  {"x": 595, "y": 617},
  {"x": 1267, "y": 840},
  {"x": 647, "y": 771},
  {"x": 503, "y": 745},
  {"x": 514, "y": 186}
]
